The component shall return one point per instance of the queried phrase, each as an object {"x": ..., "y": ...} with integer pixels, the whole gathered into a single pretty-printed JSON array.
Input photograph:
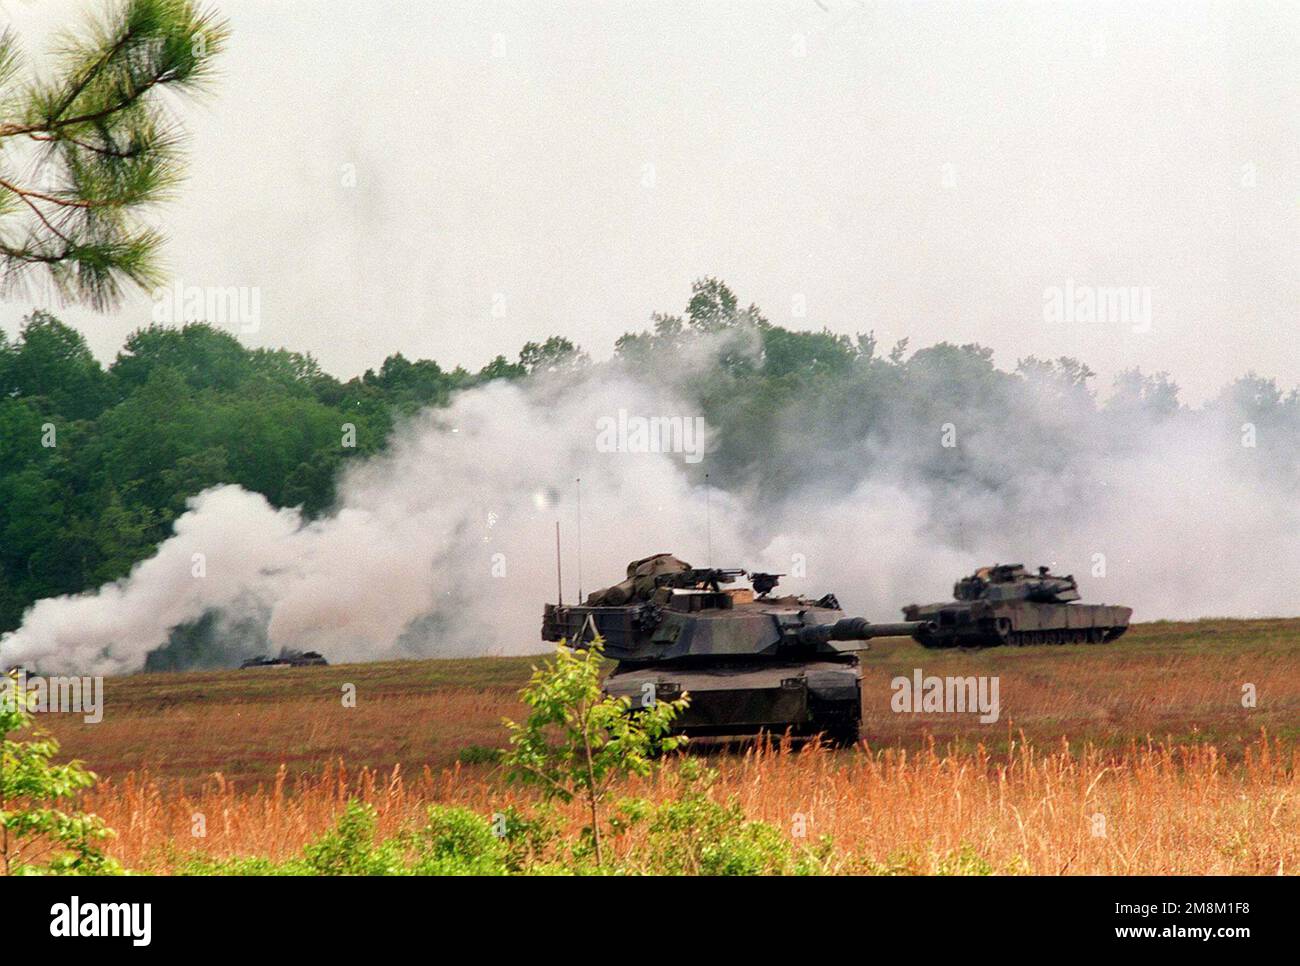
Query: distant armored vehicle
[
  {"x": 1005, "y": 604},
  {"x": 287, "y": 658},
  {"x": 750, "y": 662}
]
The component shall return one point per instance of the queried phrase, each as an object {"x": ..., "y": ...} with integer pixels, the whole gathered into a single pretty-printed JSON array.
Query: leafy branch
[
  {"x": 84, "y": 153},
  {"x": 577, "y": 740},
  {"x": 35, "y": 834}
]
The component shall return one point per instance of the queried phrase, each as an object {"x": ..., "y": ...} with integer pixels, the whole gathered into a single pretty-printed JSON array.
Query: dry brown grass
[
  {"x": 1185, "y": 778},
  {"x": 1166, "y": 810}
]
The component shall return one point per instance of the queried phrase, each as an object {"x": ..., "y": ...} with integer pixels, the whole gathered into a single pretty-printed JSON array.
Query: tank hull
[
  {"x": 1018, "y": 623},
  {"x": 803, "y": 698}
]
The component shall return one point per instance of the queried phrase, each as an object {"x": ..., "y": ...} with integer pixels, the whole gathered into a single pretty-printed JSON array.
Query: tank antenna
[
  {"x": 579, "y": 482},
  {"x": 708, "y": 522},
  {"x": 559, "y": 580}
]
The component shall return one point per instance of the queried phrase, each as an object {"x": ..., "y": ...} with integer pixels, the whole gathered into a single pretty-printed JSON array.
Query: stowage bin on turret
[
  {"x": 1005, "y": 604},
  {"x": 750, "y": 662}
]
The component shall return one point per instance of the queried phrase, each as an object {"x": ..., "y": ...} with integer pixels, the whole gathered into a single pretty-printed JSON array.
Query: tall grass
[
  {"x": 257, "y": 761},
  {"x": 1152, "y": 808}
]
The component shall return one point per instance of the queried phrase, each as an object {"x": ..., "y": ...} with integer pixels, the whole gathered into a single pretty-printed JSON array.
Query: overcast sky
[{"x": 922, "y": 170}]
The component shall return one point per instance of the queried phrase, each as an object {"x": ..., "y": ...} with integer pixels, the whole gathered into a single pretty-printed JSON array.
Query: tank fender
[{"x": 834, "y": 684}]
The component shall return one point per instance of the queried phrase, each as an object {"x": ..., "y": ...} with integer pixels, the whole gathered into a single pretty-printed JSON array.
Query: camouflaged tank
[
  {"x": 1005, "y": 604},
  {"x": 750, "y": 662},
  {"x": 287, "y": 658}
]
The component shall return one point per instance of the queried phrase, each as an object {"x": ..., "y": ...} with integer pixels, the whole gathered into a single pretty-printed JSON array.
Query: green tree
[
  {"x": 576, "y": 740},
  {"x": 85, "y": 152},
  {"x": 36, "y": 835},
  {"x": 669, "y": 335},
  {"x": 805, "y": 354},
  {"x": 1063, "y": 377},
  {"x": 412, "y": 384},
  {"x": 556, "y": 354},
  {"x": 713, "y": 307},
  {"x": 205, "y": 357},
  {"x": 52, "y": 363},
  {"x": 500, "y": 368},
  {"x": 1136, "y": 392}
]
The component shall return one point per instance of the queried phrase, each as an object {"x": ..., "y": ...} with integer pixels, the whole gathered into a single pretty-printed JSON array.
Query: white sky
[{"x": 799, "y": 150}]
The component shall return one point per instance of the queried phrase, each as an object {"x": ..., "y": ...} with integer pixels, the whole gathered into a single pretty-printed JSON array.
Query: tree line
[{"x": 97, "y": 462}]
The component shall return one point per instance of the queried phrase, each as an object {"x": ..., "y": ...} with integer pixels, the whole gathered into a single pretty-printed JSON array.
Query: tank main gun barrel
[{"x": 859, "y": 629}]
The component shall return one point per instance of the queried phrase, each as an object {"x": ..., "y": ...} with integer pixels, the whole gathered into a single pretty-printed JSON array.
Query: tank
[
  {"x": 1005, "y": 604},
  {"x": 287, "y": 658},
  {"x": 750, "y": 661}
]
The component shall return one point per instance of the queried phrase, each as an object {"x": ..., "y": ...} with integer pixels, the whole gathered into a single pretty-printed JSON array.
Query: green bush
[
  {"x": 695, "y": 835},
  {"x": 456, "y": 841},
  {"x": 964, "y": 860},
  {"x": 529, "y": 840},
  {"x": 40, "y": 833},
  {"x": 242, "y": 865},
  {"x": 479, "y": 755},
  {"x": 698, "y": 836},
  {"x": 349, "y": 848},
  {"x": 453, "y": 841}
]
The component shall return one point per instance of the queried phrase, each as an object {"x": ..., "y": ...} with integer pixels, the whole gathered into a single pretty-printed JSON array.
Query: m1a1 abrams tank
[
  {"x": 1005, "y": 604},
  {"x": 749, "y": 661},
  {"x": 287, "y": 658}
]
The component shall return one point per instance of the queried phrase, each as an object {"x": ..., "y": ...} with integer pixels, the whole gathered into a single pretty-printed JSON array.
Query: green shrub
[
  {"x": 453, "y": 841},
  {"x": 530, "y": 840},
  {"x": 963, "y": 861},
  {"x": 39, "y": 835},
  {"x": 693, "y": 834},
  {"x": 896, "y": 863},
  {"x": 349, "y": 848},
  {"x": 241, "y": 865},
  {"x": 698, "y": 836},
  {"x": 456, "y": 841},
  {"x": 479, "y": 755}
]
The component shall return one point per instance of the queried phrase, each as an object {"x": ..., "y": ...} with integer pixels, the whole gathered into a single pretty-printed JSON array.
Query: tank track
[{"x": 1091, "y": 635}]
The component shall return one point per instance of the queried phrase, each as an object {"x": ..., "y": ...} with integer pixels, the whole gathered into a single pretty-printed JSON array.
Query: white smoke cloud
[{"x": 444, "y": 545}]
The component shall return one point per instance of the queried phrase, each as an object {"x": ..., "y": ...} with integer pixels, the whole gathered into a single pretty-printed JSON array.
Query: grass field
[{"x": 1150, "y": 733}]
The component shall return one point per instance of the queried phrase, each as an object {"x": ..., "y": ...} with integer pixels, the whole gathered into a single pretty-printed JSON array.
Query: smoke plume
[{"x": 445, "y": 544}]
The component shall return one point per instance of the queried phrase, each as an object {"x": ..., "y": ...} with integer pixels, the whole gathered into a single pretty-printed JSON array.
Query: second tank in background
[{"x": 1005, "y": 604}]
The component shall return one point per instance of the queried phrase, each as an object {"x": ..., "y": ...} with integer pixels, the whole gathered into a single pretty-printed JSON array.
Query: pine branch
[{"x": 108, "y": 147}]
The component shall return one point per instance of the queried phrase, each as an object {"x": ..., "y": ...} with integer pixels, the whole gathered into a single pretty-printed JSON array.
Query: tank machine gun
[{"x": 698, "y": 578}]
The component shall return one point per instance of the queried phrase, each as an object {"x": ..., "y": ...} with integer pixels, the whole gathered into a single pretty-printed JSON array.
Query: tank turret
[
  {"x": 751, "y": 661},
  {"x": 1006, "y": 604},
  {"x": 1013, "y": 582}
]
